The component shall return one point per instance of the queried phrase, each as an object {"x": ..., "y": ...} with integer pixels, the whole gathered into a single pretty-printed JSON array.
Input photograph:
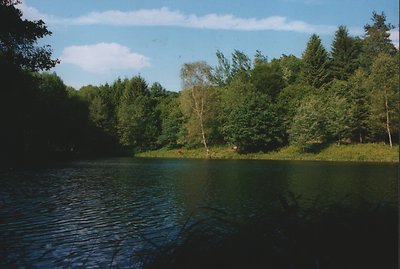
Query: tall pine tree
[
  {"x": 359, "y": 98},
  {"x": 315, "y": 63},
  {"x": 377, "y": 39},
  {"x": 344, "y": 54}
]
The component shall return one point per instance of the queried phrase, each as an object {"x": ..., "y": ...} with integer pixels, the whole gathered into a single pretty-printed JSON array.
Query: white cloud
[
  {"x": 103, "y": 57},
  {"x": 31, "y": 13},
  {"x": 145, "y": 17},
  {"x": 166, "y": 17},
  {"x": 394, "y": 36}
]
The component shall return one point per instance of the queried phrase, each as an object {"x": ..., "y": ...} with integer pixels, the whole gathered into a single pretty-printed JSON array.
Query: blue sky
[{"x": 101, "y": 40}]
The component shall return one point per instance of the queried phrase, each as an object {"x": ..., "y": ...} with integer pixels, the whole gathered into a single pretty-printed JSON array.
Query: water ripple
[{"x": 95, "y": 214}]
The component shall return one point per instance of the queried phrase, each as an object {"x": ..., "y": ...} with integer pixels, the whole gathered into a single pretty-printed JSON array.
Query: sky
[{"x": 99, "y": 41}]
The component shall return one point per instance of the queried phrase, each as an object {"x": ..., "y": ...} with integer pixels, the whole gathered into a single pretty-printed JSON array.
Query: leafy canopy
[{"x": 18, "y": 40}]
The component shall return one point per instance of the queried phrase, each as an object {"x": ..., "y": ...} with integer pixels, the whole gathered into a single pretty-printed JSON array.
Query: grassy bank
[{"x": 333, "y": 152}]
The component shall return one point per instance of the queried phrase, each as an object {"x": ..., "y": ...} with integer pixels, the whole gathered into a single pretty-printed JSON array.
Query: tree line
[{"x": 349, "y": 93}]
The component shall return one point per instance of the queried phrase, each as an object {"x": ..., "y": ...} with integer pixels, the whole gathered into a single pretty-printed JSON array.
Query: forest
[{"x": 348, "y": 93}]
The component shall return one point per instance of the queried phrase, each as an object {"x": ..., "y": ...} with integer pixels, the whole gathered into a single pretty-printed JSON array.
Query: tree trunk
[
  {"x": 199, "y": 111},
  {"x": 387, "y": 123},
  {"x": 204, "y": 140}
]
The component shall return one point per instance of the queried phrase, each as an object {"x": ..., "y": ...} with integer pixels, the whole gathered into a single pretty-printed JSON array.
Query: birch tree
[
  {"x": 384, "y": 86},
  {"x": 196, "y": 100}
]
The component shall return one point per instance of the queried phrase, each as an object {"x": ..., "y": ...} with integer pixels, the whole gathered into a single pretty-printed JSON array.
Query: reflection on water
[{"x": 118, "y": 212}]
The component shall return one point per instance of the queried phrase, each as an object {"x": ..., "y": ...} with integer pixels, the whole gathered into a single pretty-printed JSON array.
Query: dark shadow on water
[{"x": 291, "y": 237}]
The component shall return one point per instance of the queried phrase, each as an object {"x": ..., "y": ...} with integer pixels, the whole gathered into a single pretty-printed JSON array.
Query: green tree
[
  {"x": 19, "y": 55},
  {"x": 314, "y": 70},
  {"x": 309, "y": 123},
  {"x": 337, "y": 117},
  {"x": 135, "y": 87},
  {"x": 289, "y": 99},
  {"x": 344, "y": 54},
  {"x": 226, "y": 70},
  {"x": 259, "y": 58},
  {"x": 268, "y": 78},
  {"x": 222, "y": 73},
  {"x": 157, "y": 90},
  {"x": 106, "y": 92},
  {"x": 88, "y": 92},
  {"x": 18, "y": 40},
  {"x": 359, "y": 99},
  {"x": 76, "y": 125},
  {"x": 254, "y": 124},
  {"x": 98, "y": 112},
  {"x": 197, "y": 100},
  {"x": 101, "y": 108},
  {"x": 232, "y": 96},
  {"x": 383, "y": 83},
  {"x": 117, "y": 91},
  {"x": 377, "y": 39},
  {"x": 338, "y": 87},
  {"x": 137, "y": 124},
  {"x": 47, "y": 133},
  {"x": 290, "y": 66},
  {"x": 171, "y": 121},
  {"x": 241, "y": 64},
  {"x": 59, "y": 124}
]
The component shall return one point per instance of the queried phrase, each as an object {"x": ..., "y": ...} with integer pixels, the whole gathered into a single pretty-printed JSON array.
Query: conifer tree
[
  {"x": 377, "y": 39},
  {"x": 344, "y": 54},
  {"x": 359, "y": 98},
  {"x": 315, "y": 63}
]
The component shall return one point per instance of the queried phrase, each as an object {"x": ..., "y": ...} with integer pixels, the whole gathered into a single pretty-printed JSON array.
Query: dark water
[{"x": 116, "y": 212}]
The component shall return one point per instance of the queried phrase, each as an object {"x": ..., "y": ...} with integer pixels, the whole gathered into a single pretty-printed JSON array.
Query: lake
[{"x": 123, "y": 212}]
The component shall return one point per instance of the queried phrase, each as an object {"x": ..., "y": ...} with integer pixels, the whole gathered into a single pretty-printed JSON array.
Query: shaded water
[{"x": 118, "y": 212}]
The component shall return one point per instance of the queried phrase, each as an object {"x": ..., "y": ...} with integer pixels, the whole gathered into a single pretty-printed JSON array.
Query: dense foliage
[
  {"x": 349, "y": 93},
  {"x": 254, "y": 124}
]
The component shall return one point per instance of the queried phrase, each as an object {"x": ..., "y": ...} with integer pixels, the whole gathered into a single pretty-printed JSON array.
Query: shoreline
[{"x": 333, "y": 152}]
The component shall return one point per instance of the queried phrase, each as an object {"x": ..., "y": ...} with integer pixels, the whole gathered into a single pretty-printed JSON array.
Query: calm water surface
[{"x": 113, "y": 212}]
